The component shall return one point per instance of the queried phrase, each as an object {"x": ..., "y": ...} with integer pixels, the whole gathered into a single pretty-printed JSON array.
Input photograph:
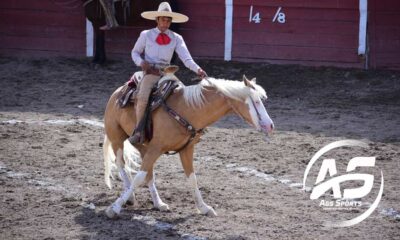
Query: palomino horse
[{"x": 202, "y": 105}]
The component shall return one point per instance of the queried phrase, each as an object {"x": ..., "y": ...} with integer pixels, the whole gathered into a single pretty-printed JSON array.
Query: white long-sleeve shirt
[{"x": 161, "y": 54}]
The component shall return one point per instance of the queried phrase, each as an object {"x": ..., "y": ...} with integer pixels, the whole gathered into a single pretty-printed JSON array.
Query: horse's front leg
[
  {"x": 157, "y": 202},
  {"x": 187, "y": 163}
]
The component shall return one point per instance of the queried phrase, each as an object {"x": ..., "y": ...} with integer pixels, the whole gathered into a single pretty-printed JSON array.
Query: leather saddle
[
  {"x": 127, "y": 94},
  {"x": 159, "y": 94}
]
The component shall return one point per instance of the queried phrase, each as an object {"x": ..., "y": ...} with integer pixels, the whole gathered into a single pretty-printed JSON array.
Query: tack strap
[
  {"x": 184, "y": 123},
  {"x": 255, "y": 108}
]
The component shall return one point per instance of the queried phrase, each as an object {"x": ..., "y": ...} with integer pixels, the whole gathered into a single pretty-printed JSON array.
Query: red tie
[{"x": 163, "y": 39}]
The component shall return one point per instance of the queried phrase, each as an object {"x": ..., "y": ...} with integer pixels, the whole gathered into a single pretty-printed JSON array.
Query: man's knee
[
  {"x": 145, "y": 88},
  {"x": 150, "y": 79}
]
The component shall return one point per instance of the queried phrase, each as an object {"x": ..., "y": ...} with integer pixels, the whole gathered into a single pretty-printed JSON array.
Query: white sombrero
[{"x": 164, "y": 10}]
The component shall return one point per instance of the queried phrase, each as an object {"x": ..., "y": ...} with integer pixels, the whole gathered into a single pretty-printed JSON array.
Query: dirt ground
[{"x": 51, "y": 166}]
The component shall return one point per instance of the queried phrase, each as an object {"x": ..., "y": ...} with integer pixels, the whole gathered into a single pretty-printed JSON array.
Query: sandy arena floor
[{"x": 51, "y": 166}]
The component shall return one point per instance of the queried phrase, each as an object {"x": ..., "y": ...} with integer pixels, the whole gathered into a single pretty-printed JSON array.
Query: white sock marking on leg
[{"x": 201, "y": 206}]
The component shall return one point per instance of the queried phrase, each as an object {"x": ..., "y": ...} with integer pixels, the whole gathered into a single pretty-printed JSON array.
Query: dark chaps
[{"x": 159, "y": 94}]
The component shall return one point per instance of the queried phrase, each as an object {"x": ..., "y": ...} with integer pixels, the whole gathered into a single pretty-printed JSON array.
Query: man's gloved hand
[{"x": 201, "y": 73}]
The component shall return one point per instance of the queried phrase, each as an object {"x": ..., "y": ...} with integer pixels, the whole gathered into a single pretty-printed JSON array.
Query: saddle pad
[{"x": 128, "y": 91}]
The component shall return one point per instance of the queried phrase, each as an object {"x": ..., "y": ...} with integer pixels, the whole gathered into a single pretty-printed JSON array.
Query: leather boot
[
  {"x": 145, "y": 87},
  {"x": 137, "y": 136}
]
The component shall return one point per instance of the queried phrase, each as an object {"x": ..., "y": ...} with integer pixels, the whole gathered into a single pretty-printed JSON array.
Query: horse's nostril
[{"x": 272, "y": 126}]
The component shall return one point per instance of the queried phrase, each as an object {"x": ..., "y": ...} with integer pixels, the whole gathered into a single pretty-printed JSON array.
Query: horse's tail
[
  {"x": 131, "y": 156},
  {"x": 108, "y": 155}
]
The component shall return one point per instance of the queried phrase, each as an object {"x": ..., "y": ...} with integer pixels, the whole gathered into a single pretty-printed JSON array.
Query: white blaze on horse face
[{"x": 259, "y": 114}]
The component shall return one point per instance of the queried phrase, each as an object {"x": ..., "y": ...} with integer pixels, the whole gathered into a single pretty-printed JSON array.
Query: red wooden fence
[
  {"x": 384, "y": 34},
  {"x": 310, "y": 32},
  {"x": 41, "y": 28},
  {"x": 314, "y": 32}
]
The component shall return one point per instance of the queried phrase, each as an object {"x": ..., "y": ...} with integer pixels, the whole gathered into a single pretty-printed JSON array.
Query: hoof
[
  {"x": 163, "y": 207},
  {"x": 110, "y": 213},
  {"x": 132, "y": 201},
  {"x": 211, "y": 213},
  {"x": 207, "y": 210}
]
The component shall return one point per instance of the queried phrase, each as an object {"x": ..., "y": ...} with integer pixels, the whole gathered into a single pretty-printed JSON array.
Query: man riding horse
[
  {"x": 178, "y": 125},
  {"x": 158, "y": 45}
]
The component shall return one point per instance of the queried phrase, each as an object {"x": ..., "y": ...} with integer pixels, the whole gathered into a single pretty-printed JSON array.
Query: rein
[{"x": 184, "y": 123}]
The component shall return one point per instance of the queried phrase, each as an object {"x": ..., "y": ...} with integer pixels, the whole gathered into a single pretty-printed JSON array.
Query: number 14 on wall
[{"x": 256, "y": 18}]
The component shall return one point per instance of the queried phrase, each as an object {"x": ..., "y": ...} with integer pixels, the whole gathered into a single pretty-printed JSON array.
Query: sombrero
[{"x": 164, "y": 10}]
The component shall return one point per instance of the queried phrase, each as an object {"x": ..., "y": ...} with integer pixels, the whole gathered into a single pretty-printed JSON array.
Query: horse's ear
[
  {"x": 253, "y": 80},
  {"x": 246, "y": 81}
]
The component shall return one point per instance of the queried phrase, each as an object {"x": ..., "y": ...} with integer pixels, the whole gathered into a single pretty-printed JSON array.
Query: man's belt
[
  {"x": 153, "y": 71},
  {"x": 156, "y": 69}
]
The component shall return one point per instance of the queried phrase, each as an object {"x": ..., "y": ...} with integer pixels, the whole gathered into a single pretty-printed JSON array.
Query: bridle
[
  {"x": 240, "y": 114},
  {"x": 258, "y": 113}
]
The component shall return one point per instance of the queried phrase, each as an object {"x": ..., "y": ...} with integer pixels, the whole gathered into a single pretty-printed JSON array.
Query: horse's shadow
[{"x": 131, "y": 224}]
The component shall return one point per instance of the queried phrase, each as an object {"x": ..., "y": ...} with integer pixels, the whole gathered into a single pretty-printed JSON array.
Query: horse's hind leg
[
  {"x": 145, "y": 175},
  {"x": 118, "y": 147},
  {"x": 120, "y": 162},
  {"x": 187, "y": 163},
  {"x": 120, "y": 166}
]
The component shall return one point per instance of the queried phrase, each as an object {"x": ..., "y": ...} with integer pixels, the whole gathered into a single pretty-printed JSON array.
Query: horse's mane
[{"x": 237, "y": 90}]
